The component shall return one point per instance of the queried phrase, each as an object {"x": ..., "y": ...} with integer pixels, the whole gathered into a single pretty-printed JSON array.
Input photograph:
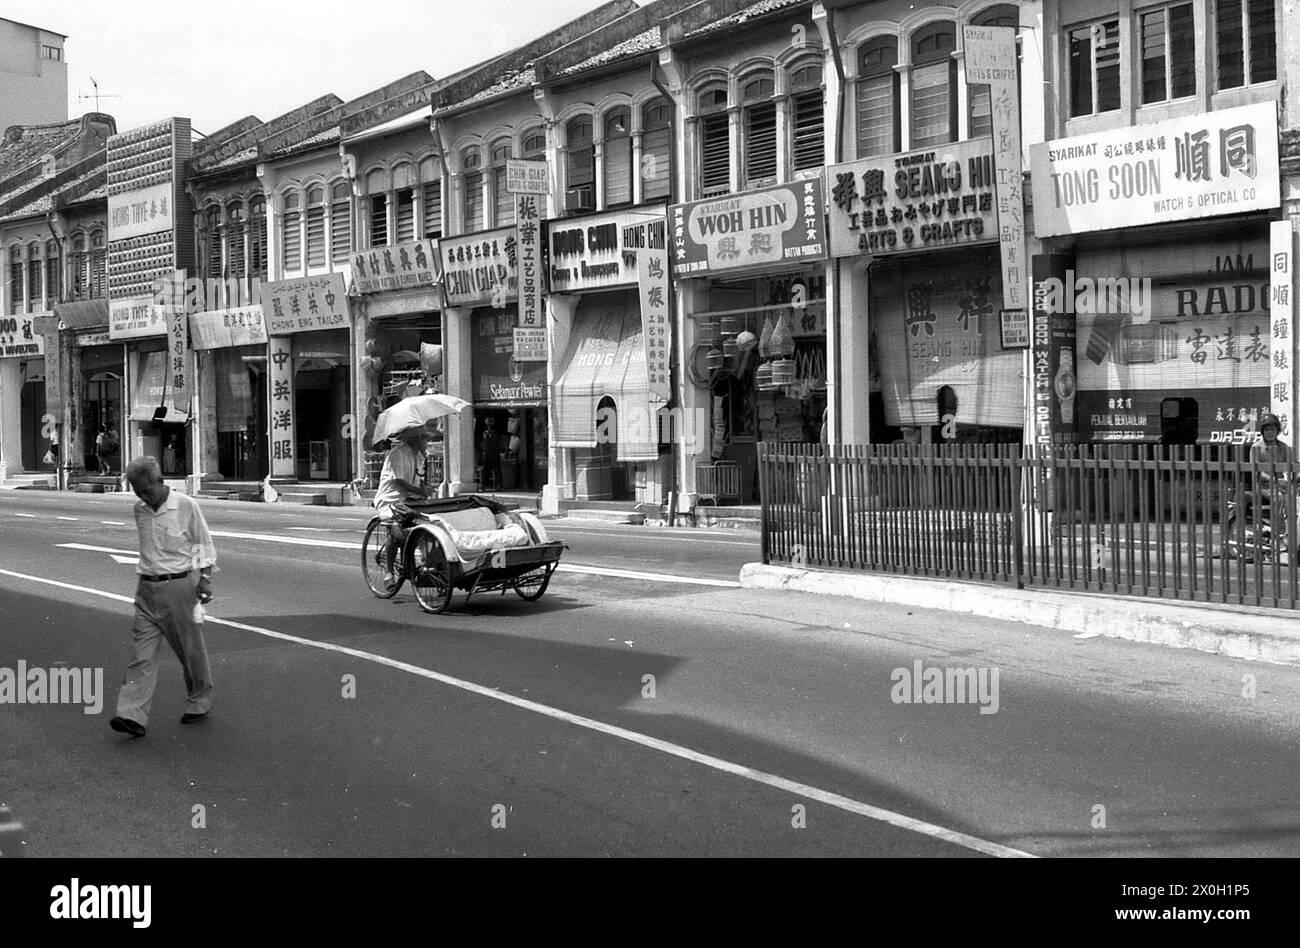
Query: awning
[
  {"x": 83, "y": 315},
  {"x": 151, "y": 390},
  {"x": 606, "y": 359}
]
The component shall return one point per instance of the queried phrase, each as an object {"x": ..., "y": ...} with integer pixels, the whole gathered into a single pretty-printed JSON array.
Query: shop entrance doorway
[
  {"x": 101, "y": 406},
  {"x": 35, "y": 444}
]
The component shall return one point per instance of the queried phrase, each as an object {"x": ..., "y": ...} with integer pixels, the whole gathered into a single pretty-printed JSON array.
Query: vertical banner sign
[
  {"x": 656, "y": 328},
  {"x": 990, "y": 54},
  {"x": 1282, "y": 347},
  {"x": 529, "y": 238},
  {"x": 178, "y": 357},
  {"x": 280, "y": 354}
]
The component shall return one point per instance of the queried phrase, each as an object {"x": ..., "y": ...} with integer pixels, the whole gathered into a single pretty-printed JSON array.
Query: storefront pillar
[
  {"x": 207, "y": 458},
  {"x": 11, "y": 449},
  {"x": 850, "y": 375},
  {"x": 561, "y": 309},
  {"x": 457, "y": 377},
  {"x": 693, "y": 442}
]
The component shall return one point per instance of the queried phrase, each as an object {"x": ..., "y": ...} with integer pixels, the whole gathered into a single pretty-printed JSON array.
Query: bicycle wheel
[
  {"x": 430, "y": 572},
  {"x": 530, "y": 586},
  {"x": 383, "y": 578}
]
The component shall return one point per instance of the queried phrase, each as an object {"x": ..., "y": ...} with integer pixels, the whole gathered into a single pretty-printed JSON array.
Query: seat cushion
[
  {"x": 475, "y": 518},
  {"x": 479, "y": 541}
]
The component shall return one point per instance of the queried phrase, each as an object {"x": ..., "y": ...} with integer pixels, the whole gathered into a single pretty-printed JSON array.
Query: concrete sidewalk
[{"x": 1267, "y": 635}]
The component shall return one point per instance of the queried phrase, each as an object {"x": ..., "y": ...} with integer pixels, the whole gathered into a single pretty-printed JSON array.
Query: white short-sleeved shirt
[{"x": 403, "y": 463}]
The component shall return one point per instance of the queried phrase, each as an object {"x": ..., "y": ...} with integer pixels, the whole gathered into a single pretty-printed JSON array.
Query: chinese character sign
[
  {"x": 480, "y": 269},
  {"x": 656, "y": 322},
  {"x": 1282, "y": 380},
  {"x": 306, "y": 304},
  {"x": 19, "y": 338},
  {"x": 403, "y": 266},
  {"x": 280, "y": 376},
  {"x": 178, "y": 358},
  {"x": 991, "y": 59},
  {"x": 528, "y": 228},
  {"x": 223, "y": 328},
  {"x": 1203, "y": 165}
]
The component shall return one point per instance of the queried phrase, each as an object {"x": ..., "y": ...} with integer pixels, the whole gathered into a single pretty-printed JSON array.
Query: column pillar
[
  {"x": 561, "y": 310},
  {"x": 457, "y": 365}
]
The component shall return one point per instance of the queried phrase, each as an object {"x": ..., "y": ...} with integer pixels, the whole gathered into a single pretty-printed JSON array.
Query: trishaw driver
[{"x": 405, "y": 477}]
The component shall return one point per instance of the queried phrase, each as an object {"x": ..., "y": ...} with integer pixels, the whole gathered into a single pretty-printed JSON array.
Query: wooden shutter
[
  {"x": 715, "y": 157},
  {"x": 379, "y": 220},
  {"x": 760, "y": 143},
  {"x": 433, "y": 209},
  {"x": 405, "y": 215},
  {"x": 618, "y": 171},
  {"x": 808, "y": 143}
]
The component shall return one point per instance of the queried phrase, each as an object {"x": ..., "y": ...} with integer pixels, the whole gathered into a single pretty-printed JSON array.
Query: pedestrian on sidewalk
[{"x": 176, "y": 562}]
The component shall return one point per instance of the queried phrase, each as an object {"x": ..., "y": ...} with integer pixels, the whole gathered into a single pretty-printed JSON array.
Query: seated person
[{"x": 405, "y": 477}]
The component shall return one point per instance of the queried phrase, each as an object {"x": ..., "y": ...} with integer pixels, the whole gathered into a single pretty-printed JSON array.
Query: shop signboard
[
  {"x": 305, "y": 304},
  {"x": 140, "y": 211},
  {"x": 1282, "y": 310},
  {"x": 524, "y": 176},
  {"x": 408, "y": 265},
  {"x": 500, "y": 379},
  {"x": 530, "y": 344},
  {"x": 280, "y": 373},
  {"x": 1054, "y": 366},
  {"x": 600, "y": 252},
  {"x": 528, "y": 238},
  {"x": 135, "y": 318},
  {"x": 480, "y": 269},
  {"x": 1186, "y": 357},
  {"x": 919, "y": 200},
  {"x": 19, "y": 338},
  {"x": 179, "y": 370},
  {"x": 990, "y": 59},
  {"x": 656, "y": 326},
  {"x": 224, "y": 328},
  {"x": 781, "y": 224},
  {"x": 1202, "y": 165}
]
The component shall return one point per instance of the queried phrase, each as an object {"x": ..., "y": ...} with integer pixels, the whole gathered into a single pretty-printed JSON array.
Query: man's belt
[{"x": 165, "y": 578}]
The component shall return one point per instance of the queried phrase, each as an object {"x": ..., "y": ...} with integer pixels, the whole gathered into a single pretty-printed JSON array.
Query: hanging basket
[
  {"x": 730, "y": 348},
  {"x": 714, "y": 358},
  {"x": 782, "y": 373},
  {"x": 733, "y": 325},
  {"x": 706, "y": 333},
  {"x": 763, "y": 377}
]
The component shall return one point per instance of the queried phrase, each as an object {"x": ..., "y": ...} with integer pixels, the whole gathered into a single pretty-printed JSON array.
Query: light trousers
[{"x": 165, "y": 611}]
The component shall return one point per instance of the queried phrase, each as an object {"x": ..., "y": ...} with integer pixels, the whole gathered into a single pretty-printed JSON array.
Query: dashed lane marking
[{"x": 792, "y": 787}]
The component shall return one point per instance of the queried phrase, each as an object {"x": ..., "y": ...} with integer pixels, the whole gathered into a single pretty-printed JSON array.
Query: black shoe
[
  {"x": 189, "y": 718},
  {"x": 133, "y": 728}
]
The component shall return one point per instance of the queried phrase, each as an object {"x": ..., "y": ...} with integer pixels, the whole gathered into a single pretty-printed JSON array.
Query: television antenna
[{"x": 96, "y": 95}]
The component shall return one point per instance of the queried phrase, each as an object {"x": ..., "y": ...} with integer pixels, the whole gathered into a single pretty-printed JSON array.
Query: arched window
[
  {"x": 53, "y": 272},
  {"x": 236, "y": 264},
  {"x": 715, "y": 141},
  {"x": 879, "y": 128},
  {"x": 934, "y": 85},
  {"x": 534, "y": 143},
  {"x": 807, "y": 118},
  {"x": 257, "y": 238},
  {"x": 617, "y": 151},
  {"x": 656, "y": 150},
  {"x": 503, "y": 202},
  {"x": 212, "y": 243},
  {"x": 471, "y": 166},
  {"x": 340, "y": 221},
  {"x": 981, "y": 107},
  {"x": 34, "y": 270},
  {"x": 98, "y": 274},
  {"x": 15, "y": 279},
  {"x": 580, "y": 164},
  {"x": 758, "y": 129},
  {"x": 291, "y": 232}
]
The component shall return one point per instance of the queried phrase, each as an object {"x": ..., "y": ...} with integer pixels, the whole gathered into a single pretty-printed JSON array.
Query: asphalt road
[{"x": 645, "y": 706}]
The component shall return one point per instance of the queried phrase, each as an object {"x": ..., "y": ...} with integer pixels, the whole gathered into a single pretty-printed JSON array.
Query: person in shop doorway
[
  {"x": 169, "y": 457},
  {"x": 106, "y": 448},
  {"x": 489, "y": 455}
]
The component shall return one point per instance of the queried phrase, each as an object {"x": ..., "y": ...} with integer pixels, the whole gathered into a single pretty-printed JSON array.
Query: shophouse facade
[{"x": 52, "y": 237}]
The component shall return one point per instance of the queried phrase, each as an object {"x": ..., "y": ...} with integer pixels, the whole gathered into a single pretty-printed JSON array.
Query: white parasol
[{"x": 415, "y": 412}]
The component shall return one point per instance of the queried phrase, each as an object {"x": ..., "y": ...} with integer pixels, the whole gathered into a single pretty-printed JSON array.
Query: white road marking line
[
  {"x": 637, "y": 574},
  {"x": 125, "y": 560},
  {"x": 112, "y": 523},
  {"x": 672, "y": 538},
  {"x": 792, "y": 787},
  {"x": 26, "y": 516},
  {"x": 96, "y": 549},
  {"x": 74, "y": 519}
]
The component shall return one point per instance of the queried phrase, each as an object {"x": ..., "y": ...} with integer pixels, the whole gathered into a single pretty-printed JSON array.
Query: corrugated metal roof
[
  {"x": 638, "y": 45},
  {"x": 751, "y": 12}
]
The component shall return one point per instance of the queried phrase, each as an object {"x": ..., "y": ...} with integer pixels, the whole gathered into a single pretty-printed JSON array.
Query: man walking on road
[{"x": 174, "y": 545}]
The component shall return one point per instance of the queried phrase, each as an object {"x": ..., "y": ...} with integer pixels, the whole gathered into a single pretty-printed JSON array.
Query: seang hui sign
[
  {"x": 934, "y": 197},
  {"x": 783, "y": 224},
  {"x": 1211, "y": 163}
]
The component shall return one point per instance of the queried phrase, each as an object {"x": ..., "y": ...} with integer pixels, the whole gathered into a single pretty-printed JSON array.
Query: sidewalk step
[
  {"x": 312, "y": 499},
  {"x": 608, "y": 516}
]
